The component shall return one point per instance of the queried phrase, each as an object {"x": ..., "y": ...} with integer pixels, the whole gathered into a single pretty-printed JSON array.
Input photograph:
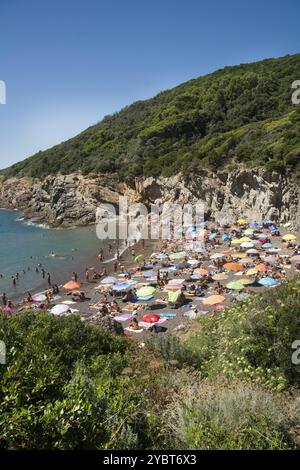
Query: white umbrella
[
  {"x": 247, "y": 245},
  {"x": 217, "y": 255},
  {"x": 59, "y": 309}
]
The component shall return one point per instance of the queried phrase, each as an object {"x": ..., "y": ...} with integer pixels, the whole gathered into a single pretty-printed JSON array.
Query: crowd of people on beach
[{"x": 182, "y": 275}]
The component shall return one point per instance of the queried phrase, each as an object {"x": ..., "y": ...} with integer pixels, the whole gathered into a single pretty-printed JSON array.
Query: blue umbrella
[
  {"x": 268, "y": 281},
  {"x": 226, "y": 237},
  {"x": 212, "y": 236},
  {"x": 267, "y": 245},
  {"x": 122, "y": 286},
  {"x": 272, "y": 228},
  {"x": 149, "y": 273}
]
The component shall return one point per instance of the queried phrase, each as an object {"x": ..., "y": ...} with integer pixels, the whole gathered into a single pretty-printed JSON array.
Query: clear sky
[{"x": 67, "y": 63}]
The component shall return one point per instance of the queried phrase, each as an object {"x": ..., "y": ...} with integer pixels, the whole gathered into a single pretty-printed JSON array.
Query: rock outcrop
[{"x": 64, "y": 201}]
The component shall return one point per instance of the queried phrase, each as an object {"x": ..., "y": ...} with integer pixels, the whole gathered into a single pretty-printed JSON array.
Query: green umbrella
[
  {"x": 145, "y": 291},
  {"x": 235, "y": 285},
  {"x": 138, "y": 258},
  {"x": 173, "y": 296},
  {"x": 178, "y": 255}
]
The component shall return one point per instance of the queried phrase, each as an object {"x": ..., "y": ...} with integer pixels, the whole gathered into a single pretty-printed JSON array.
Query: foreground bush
[
  {"x": 231, "y": 417},
  {"x": 252, "y": 340}
]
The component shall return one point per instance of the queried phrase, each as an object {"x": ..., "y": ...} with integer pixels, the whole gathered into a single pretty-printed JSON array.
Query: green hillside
[{"x": 242, "y": 114}]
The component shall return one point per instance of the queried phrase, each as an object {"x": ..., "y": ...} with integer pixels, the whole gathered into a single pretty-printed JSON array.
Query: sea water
[{"x": 23, "y": 246}]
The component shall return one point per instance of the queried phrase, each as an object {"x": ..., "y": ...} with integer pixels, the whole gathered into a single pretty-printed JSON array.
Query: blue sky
[{"x": 67, "y": 63}]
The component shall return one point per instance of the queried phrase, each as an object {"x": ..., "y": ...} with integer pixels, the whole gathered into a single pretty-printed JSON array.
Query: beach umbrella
[
  {"x": 193, "y": 262},
  {"x": 59, "y": 309},
  {"x": 289, "y": 237},
  {"x": 151, "y": 318},
  {"x": 199, "y": 249},
  {"x": 239, "y": 255},
  {"x": 149, "y": 273},
  {"x": 268, "y": 281},
  {"x": 212, "y": 236},
  {"x": 122, "y": 286},
  {"x": 39, "y": 297},
  {"x": 195, "y": 277},
  {"x": 262, "y": 267},
  {"x": 233, "y": 267},
  {"x": 261, "y": 235},
  {"x": 267, "y": 245},
  {"x": 235, "y": 285},
  {"x": 219, "y": 277},
  {"x": 295, "y": 259},
  {"x": 138, "y": 258},
  {"x": 270, "y": 259},
  {"x": 252, "y": 251},
  {"x": 201, "y": 271},
  {"x": 249, "y": 231},
  {"x": 181, "y": 265},
  {"x": 225, "y": 237},
  {"x": 245, "y": 239},
  {"x": 235, "y": 241},
  {"x": 247, "y": 245},
  {"x": 109, "y": 280},
  {"x": 252, "y": 272},
  {"x": 217, "y": 256},
  {"x": 214, "y": 300},
  {"x": 242, "y": 221},
  {"x": 173, "y": 296},
  {"x": 145, "y": 291},
  {"x": 273, "y": 228},
  {"x": 72, "y": 285},
  {"x": 245, "y": 281},
  {"x": 178, "y": 255},
  {"x": 161, "y": 256},
  {"x": 246, "y": 260}
]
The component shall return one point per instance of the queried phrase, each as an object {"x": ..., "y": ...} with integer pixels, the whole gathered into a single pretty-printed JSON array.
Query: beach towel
[
  {"x": 144, "y": 299},
  {"x": 134, "y": 331},
  {"x": 124, "y": 317},
  {"x": 167, "y": 315},
  {"x": 147, "y": 325}
]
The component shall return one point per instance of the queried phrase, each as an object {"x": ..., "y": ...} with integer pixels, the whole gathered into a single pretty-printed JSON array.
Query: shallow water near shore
[{"x": 24, "y": 246}]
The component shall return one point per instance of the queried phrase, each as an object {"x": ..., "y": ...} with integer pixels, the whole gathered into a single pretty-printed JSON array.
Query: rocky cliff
[{"x": 64, "y": 201}]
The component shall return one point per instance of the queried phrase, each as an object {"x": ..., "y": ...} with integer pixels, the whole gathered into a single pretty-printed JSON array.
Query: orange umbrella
[
  {"x": 72, "y": 285},
  {"x": 220, "y": 276},
  {"x": 261, "y": 267},
  {"x": 233, "y": 267},
  {"x": 201, "y": 271},
  {"x": 214, "y": 299}
]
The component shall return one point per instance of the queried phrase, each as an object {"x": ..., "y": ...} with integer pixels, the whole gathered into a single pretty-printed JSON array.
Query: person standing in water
[
  {"x": 4, "y": 299},
  {"x": 49, "y": 279}
]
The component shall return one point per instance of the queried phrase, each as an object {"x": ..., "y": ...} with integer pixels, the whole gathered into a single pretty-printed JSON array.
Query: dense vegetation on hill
[
  {"x": 242, "y": 114},
  {"x": 229, "y": 383}
]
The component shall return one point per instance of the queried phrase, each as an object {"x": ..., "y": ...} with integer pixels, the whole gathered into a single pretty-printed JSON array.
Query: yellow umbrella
[
  {"x": 235, "y": 241},
  {"x": 245, "y": 281},
  {"x": 245, "y": 239},
  {"x": 252, "y": 272},
  {"x": 289, "y": 237},
  {"x": 241, "y": 221}
]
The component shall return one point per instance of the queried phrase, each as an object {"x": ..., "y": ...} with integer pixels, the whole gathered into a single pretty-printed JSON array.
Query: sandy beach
[{"x": 227, "y": 270}]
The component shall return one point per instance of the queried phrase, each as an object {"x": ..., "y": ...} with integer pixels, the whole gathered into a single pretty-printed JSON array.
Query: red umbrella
[{"x": 151, "y": 318}]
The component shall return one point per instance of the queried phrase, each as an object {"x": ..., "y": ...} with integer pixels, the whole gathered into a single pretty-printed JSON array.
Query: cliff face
[{"x": 64, "y": 201}]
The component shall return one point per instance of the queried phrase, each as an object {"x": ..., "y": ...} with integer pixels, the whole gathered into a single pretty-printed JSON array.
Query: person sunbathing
[
  {"x": 134, "y": 324},
  {"x": 79, "y": 297}
]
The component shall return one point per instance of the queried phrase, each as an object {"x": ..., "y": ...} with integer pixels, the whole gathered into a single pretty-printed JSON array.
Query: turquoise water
[{"x": 24, "y": 246}]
